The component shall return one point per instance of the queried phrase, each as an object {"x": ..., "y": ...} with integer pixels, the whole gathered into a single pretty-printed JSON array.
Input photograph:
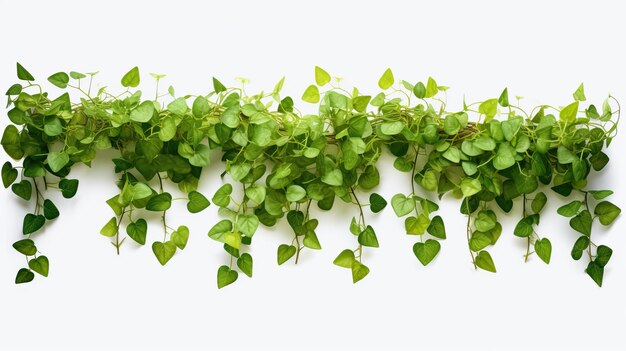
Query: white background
[{"x": 94, "y": 300}]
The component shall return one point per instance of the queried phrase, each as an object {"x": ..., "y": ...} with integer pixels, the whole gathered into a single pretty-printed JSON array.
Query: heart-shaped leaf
[
  {"x": 226, "y": 276},
  {"x": 284, "y": 253},
  {"x": 426, "y": 251},
  {"x": 23, "y": 189},
  {"x": 197, "y": 202},
  {"x": 180, "y": 237},
  {"x": 40, "y": 265},
  {"x": 24, "y": 275},
  {"x": 244, "y": 262},
  {"x": 9, "y": 174},
  {"x": 32, "y": 223},
  {"x": 50, "y": 211},
  {"x": 543, "y": 248},
  {"x": 163, "y": 251},
  {"x": 138, "y": 230}
]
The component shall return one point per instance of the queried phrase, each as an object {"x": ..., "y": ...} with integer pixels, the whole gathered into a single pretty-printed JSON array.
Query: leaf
[
  {"x": 201, "y": 156},
  {"x": 596, "y": 272},
  {"x": 143, "y": 112},
  {"x": 392, "y": 128},
  {"x": 484, "y": 261},
  {"x": 431, "y": 88},
  {"x": 32, "y": 223},
  {"x": 489, "y": 108},
  {"x": 52, "y": 126},
  {"x": 311, "y": 241},
  {"x": 470, "y": 186},
  {"x": 543, "y": 248},
  {"x": 68, "y": 187},
  {"x": 24, "y": 275},
  {"x": 565, "y": 156},
  {"x": 23, "y": 189},
  {"x": 11, "y": 142},
  {"x": 40, "y": 265},
  {"x": 57, "y": 160},
  {"x": 437, "y": 228},
  {"x": 59, "y": 79},
  {"x": 295, "y": 193},
  {"x": 368, "y": 237},
  {"x": 603, "y": 255},
  {"x": 247, "y": 224},
  {"x": 334, "y": 178},
  {"x": 426, "y": 252},
  {"x": 359, "y": 271},
  {"x": 200, "y": 107},
  {"x": 256, "y": 193},
  {"x": 503, "y": 100},
  {"x": 386, "y": 80},
  {"x": 160, "y": 202},
  {"x": 197, "y": 202},
  {"x": 345, "y": 259},
  {"x": 606, "y": 212},
  {"x": 321, "y": 77},
  {"x": 218, "y": 87},
  {"x": 571, "y": 209},
  {"x": 138, "y": 230},
  {"x": 504, "y": 157},
  {"x": 163, "y": 251},
  {"x": 222, "y": 195},
  {"x": 580, "y": 245},
  {"x": 23, "y": 74},
  {"x": 110, "y": 228},
  {"x": 420, "y": 90},
  {"x": 402, "y": 205},
  {"x": 131, "y": 78},
  {"x": 218, "y": 231},
  {"x": 50, "y": 211},
  {"x": 284, "y": 253},
  {"x": 244, "y": 262},
  {"x": 9, "y": 174},
  {"x": 225, "y": 275},
  {"x": 539, "y": 202},
  {"x": 524, "y": 227},
  {"x": 180, "y": 237},
  {"x": 26, "y": 247},
  {"x": 377, "y": 203},
  {"x": 479, "y": 241},
  {"x": 579, "y": 94},
  {"x": 582, "y": 222},
  {"x": 600, "y": 194},
  {"x": 77, "y": 75},
  {"x": 311, "y": 94},
  {"x": 569, "y": 112}
]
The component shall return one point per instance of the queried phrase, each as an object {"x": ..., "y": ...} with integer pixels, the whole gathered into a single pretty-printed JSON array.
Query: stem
[{"x": 469, "y": 233}]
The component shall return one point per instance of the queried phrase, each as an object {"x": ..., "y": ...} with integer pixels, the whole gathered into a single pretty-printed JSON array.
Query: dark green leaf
[
  {"x": 582, "y": 222},
  {"x": 23, "y": 189},
  {"x": 244, "y": 262},
  {"x": 606, "y": 212},
  {"x": 23, "y": 74},
  {"x": 368, "y": 237},
  {"x": 25, "y": 246},
  {"x": 426, "y": 252},
  {"x": 32, "y": 223},
  {"x": 197, "y": 202},
  {"x": 50, "y": 211},
  {"x": 160, "y": 202},
  {"x": 24, "y": 275},
  {"x": 40, "y": 265},
  {"x": 580, "y": 245},
  {"x": 377, "y": 203},
  {"x": 596, "y": 272},
  {"x": 68, "y": 187},
  {"x": 138, "y": 230}
]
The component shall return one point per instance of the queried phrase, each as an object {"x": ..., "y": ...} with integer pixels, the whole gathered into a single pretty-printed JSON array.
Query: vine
[{"x": 280, "y": 162}]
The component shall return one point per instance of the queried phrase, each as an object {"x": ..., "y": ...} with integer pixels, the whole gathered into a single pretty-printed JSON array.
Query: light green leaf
[
  {"x": 426, "y": 252},
  {"x": 180, "y": 237},
  {"x": 579, "y": 94},
  {"x": 284, "y": 253},
  {"x": 244, "y": 262},
  {"x": 569, "y": 112},
  {"x": 143, "y": 112},
  {"x": 334, "y": 178},
  {"x": 345, "y": 259},
  {"x": 131, "y": 78},
  {"x": 321, "y": 77},
  {"x": 402, "y": 205},
  {"x": 470, "y": 186},
  {"x": 57, "y": 160},
  {"x": 222, "y": 195},
  {"x": 606, "y": 212},
  {"x": 59, "y": 79},
  {"x": 431, "y": 88},
  {"x": 359, "y": 271},
  {"x": 392, "y": 128},
  {"x": 295, "y": 193},
  {"x": 489, "y": 108},
  {"x": 386, "y": 80},
  {"x": 311, "y": 94},
  {"x": 110, "y": 228},
  {"x": 543, "y": 248},
  {"x": 484, "y": 261},
  {"x": 247, "y": 224}
]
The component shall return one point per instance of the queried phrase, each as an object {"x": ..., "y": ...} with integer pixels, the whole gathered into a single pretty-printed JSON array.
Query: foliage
[{"x": 280, "y": 162}]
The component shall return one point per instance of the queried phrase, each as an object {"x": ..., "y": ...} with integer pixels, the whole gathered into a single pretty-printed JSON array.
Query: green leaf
[
  {"x": 377, "y": 203},
  {"x": 565, "y": 156},
  {"x": 426, "y": 252},
  {"x": 485, "y": 221},
  {"x": 603, "y": 255},
  {"x": 321, "y": 77},
  {"x": 489, "y": 108},
  {"x": 197, "y": 202},
  {"x": 470, "y": 186},
  {"x": 244, "y": 262},
  {"x": 539, "y": 202},
  {"x": 59, "y": 79},
  {"x": 26, "y": 247},
  {"x": 200, "y": 107},
  {"x": 23, "y": 189},
  {"x": 163, "y": 251},
  {"x": 40, "y": 265},
  {"x": 431, "y": 88},
  {"x": 334, "y": 178},
  {"x": 580, "y": 245},
  {"x": 311, "y": 94},
  {"x": 543, "y": 248},
  {"x": 571, "y": 209},
  {"x": 222, "y": 195},
  {"x": 295, "y": 193},
  {"x": 143, "y": 112},
  {"x": 256, "y": 193},
  {"x": 579, "y": 94},
  {"x": 368, "y": 237},
  {"x": 160, "y": 202},
  {"x": 503, "y": 100},
  {"x": 138, "y": 230},
  {"x": 392, "y": 128},
  {"x": 596, "y": 272},
  {"x": 77, "y": 75},
  {"x": 218, "y": 86},
  {"x": 484, "y": 261},
  {"x": 386, "y": 80},
  {"x": 180, "y": 237},
  {"x": 600, "y": 194},
  {"x": 131, "y": 78},
  {"x": 57, "y": 160},
  {"x": 582, "y": 222},
  {"x": 504, "y": 157},
  {"x": 201, "y": 156},
  {"x": 345, "y": 259},
  {"x": 23, "y": 74},
  {"x": 606, "y": 212},
  {"x": 225, "y": 275},
  {"x": 52, "y": 126},
  {"x": 9, "y": 174},
  {"x": 485, "y": 143},
  {"x": 14, "y": 89},
  {"x": 524, "y": 227},
  {"x": 11, "y": 142},
  {"x": 24, "y": 275},
  {"x": 285, "y": 252},
  {"x": 359, "y": 271},
  {"x": 68, "y": 187},
  {"x": 420, "y": 90},
  {"x": 218, "y": 231},
  {"x": 311, "y": 241},
  {"x": 32, "y": 223},
  {"x": 479, "y": 241},
  {"x": 569, "y": 112},
  {"x": 247, "y": 224},
  {"x": 437, "y": 228},
  {"x": 50, "y": 211},
  {"x": 110, "y": 228},
  {"x": 402, "y": 205}
]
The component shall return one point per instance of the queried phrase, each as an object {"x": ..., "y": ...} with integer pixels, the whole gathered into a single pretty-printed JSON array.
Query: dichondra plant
[{"x": 279, "y": 163}]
